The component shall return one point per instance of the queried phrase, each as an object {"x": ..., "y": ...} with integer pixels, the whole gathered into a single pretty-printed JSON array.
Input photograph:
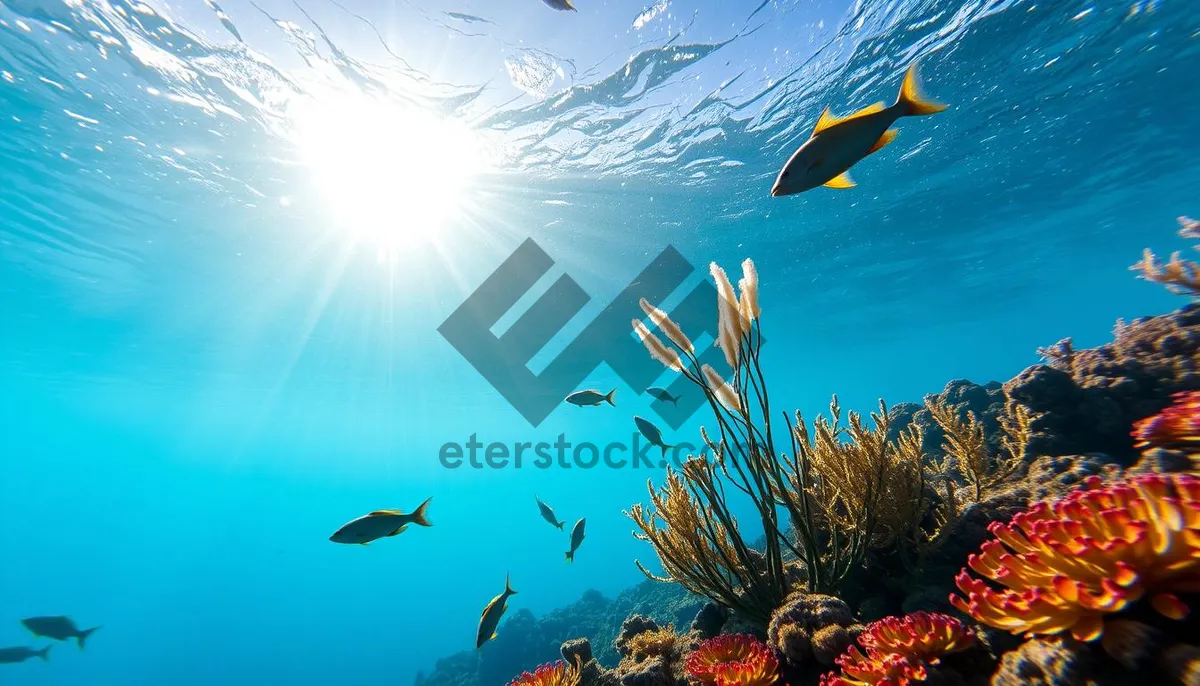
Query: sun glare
[{"x": 388, "y": 173}]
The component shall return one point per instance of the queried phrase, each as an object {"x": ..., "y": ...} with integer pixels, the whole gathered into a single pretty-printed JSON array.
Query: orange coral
[
  {"x": 1064, "y": 566},
  {"x": 922, "y": 635},
  {"x": 884, "y": 670},
  {"x": 733, "y": 660},
  {"x": 899, "y": 649},
  {"x": 1177, "y": 426},
  {"x": 554, "y": 674}
]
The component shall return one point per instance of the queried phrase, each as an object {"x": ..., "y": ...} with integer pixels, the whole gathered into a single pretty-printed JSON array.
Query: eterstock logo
[{"x": 607, "y": 339}]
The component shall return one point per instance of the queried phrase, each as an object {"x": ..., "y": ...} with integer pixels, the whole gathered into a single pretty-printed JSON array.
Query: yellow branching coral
[
  {"x": 662, "y": 642},
  {"x": 1177, "y": 274},
  {"x": 966, "y": 445},
  {"x": 844, "y": 490},
  {"x": 1065, "y": 566}
]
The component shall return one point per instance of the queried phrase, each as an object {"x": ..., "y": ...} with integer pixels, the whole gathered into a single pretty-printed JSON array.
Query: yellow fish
[
  {"x": 492, "y": 614},
  {"x": 381, "y": 524},
  {"x": 838, "y": 143}
]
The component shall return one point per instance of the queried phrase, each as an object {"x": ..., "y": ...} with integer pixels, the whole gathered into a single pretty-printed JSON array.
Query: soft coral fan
[
  {"x": 899, "y": 650},
  {"x": 1177, "y": 274},
  {"x": 733, "y": 660},
  {"x": 1065, "y": 566}
]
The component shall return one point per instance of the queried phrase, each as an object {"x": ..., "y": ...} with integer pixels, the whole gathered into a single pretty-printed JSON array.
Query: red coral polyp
[
  {"x": 884, "y": 670},
  {"x": 920, "y": 635},
  {"x": 1065, "y": 566},
  {"x": 1178, "y": 426},
  {"x": 900, "y": 649},
  {"x": 551, "y": 674},
  {"x": 733, "y": 660}
]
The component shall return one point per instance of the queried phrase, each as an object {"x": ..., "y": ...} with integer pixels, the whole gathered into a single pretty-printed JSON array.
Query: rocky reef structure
[{"x": 1045, "y": 530}]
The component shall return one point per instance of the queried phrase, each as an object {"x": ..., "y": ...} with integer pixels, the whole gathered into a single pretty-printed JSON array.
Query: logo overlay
[{"x": 607, "y": 339}]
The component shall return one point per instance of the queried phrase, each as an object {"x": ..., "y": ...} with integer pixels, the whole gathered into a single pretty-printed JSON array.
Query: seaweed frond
[{"x": 966, "y": 445}]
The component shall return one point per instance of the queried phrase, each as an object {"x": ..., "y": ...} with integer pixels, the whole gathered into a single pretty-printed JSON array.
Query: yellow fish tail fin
[
  {"x": 570, "y": 556},
  {"x": 911, "y": 100},
  {"x": 508, "y": 587},
  {"x": 611, "y": 397},
  {"x": 421, "y": 516},
  {"x": 569, "y": 5}
]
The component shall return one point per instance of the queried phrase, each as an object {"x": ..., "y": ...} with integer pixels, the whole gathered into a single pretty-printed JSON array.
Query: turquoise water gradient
[{"x": 202, "y": 375}]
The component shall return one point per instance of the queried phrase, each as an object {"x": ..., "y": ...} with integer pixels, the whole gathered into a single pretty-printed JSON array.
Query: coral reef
[
  {"x": 551, "y": 674},
  {"x": 1071, "y": 491},
  {"x": 1065, "y": 566},
  {"x": 733, "y": 660},
  {"x": 903, "y": 650},
  {"x": 1087, "y": 403},
  {"x": 793, "y": 628}
]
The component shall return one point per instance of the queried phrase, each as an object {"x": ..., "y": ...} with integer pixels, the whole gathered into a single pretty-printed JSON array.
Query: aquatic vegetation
[
  {"x": 552, "y": 674},
  {"x": 845, "y": 489},
  {"x": 733, "y": 660},
  {"x": 1177, "y": 274},
  {"x": 900, "y": 650},
  {"x": 1065, "y": 566},
  {"x": 1178, "y": 426},
  {"x": 966, "y": 445},
  {"x": 841, "y": 497}
]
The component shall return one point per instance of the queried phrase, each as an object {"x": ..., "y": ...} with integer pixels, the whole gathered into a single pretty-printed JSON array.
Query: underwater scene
[{"x": 599, "y": 342}]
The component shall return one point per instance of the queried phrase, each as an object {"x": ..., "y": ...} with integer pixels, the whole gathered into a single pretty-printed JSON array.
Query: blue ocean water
[{"x": 229, "y": 234}]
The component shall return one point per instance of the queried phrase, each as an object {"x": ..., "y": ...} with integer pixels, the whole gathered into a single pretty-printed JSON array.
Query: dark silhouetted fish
[
  {"x": 11, "y": 656},
  {"x": 548, "y": 514},
  {"x": 564, "y": 5},
  {"x": 57, "y": 628},
  {"x": 576, "y": 539},
  {"x": 592, "y": 398},
  {"x": 652, "y": 434},
  {"x": 663, "y": 395},
  {"x": 492, "y": 614}
]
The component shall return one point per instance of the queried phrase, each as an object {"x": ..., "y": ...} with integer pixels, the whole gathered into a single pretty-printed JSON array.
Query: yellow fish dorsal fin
[
  {"x": 867, "y": 111},
  {"x": 887, "y": 137},
  {"x": 842, "y": 180},
  {"x": 381, "y": 513},
  {"x": 826, "y": 120}
]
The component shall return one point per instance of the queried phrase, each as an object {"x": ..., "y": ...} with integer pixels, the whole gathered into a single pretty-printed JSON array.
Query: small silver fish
[
  {"x": 652, "y": 434},
  {"x": 58, "y": 628},
  {"x": 492, "y": 614},
  {"x": 11, "y": 656},
  {"x": 548, "y": 514},
  {"x": 591, "y": 398},
  {"x": 663, "y": 395},
  {"x": 838, "y": 143},
  {"x": 380, "y": 524},
  {"x": 564, "y": 5},
  {"x": 576, "y": 539}
]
